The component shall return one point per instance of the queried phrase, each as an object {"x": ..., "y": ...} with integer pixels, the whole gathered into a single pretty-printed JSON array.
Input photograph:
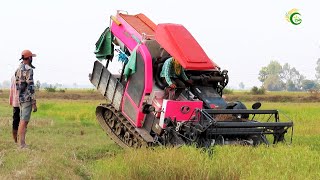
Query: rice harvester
[{"x": 136, "y": 114}]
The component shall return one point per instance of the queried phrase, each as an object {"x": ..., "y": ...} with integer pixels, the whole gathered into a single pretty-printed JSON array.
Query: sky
[{"x": 240, "y": 36}]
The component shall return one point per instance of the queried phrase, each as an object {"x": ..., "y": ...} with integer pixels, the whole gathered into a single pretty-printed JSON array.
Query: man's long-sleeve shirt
[
  {"x": 25, "y": 84},
  {"x": 168, "y": 72}
]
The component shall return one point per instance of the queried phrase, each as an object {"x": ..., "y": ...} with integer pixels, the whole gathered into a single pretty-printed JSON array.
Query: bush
[
  {"x": 255, "y": 90},
  {"x": 51, "y": 88},
  {"x": 62, "y": 90},
  {"x": 91, "y": 90},
  {"x": 227, "y": 91}
]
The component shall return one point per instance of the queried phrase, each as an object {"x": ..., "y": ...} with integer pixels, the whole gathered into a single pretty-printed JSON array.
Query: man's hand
[
  {"x": 34, "y": 107},
  {"x": 173, "y": 86}
]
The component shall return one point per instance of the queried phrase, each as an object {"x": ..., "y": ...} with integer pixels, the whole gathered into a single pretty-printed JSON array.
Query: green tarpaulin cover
[
  {"x": 131, "y": 65},
  {"x": 104, "y": 46}
]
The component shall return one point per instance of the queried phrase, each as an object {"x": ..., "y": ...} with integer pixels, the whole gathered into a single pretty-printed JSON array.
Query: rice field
[{"x": 66, "y": 142}]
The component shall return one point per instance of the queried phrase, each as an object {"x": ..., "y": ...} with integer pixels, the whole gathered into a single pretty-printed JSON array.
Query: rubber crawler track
[{"x": 136, "y": 140}]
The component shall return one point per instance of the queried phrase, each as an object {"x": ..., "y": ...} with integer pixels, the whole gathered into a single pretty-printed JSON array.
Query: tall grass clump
[
  {"x": 226, "y": 162},
  {"x": 162, "y": 163}
]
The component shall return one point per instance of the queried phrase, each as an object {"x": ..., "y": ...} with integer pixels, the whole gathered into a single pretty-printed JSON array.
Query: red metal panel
[
  {"x": 180, "y": 44},
  {"x": 179, "y": 110}
]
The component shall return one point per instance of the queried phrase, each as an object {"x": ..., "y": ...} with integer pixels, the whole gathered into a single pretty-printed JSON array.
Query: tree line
[
  {"x": 38, "y": 85},
  {"x": 275, "y": 77}
]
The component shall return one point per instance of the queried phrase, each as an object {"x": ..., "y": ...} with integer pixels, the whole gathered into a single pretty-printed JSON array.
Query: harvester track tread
[{"x": 124, "y": 122}]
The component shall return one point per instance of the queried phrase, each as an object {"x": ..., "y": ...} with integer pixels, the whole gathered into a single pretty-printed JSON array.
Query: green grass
[
  {"x": 66, "y": 142},
  {"x": 63, "y": 136},
  {"x": 232, "y": 162}
]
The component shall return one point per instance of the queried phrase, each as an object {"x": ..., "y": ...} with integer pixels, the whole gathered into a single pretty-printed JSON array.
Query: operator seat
[{"x": 157, "y": 71}]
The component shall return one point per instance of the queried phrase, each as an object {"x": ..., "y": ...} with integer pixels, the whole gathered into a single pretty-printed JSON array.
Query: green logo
[{"x": 294, "y": 17}]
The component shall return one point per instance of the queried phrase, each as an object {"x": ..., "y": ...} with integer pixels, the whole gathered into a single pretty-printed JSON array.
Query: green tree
[
  {"x": 273, "y": 83},
  {"x": 275, "y": 77},
  {"x": 318, "y": 71},
  {"x": 38, "y": 85},
  {"x": 309, "y": 84},
  {"x": 291, "y": 78},
  {"x": 241, "y": 85},
  {"x": 291, "y": 86},
  {"x": 274, "y": 68},
  {"x": 270, "y": 76}
]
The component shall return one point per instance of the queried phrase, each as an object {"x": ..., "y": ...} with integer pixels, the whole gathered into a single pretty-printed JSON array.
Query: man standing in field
[
  {"x": 14, "y": 102},
  {"x": 26, "y": 89}
]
